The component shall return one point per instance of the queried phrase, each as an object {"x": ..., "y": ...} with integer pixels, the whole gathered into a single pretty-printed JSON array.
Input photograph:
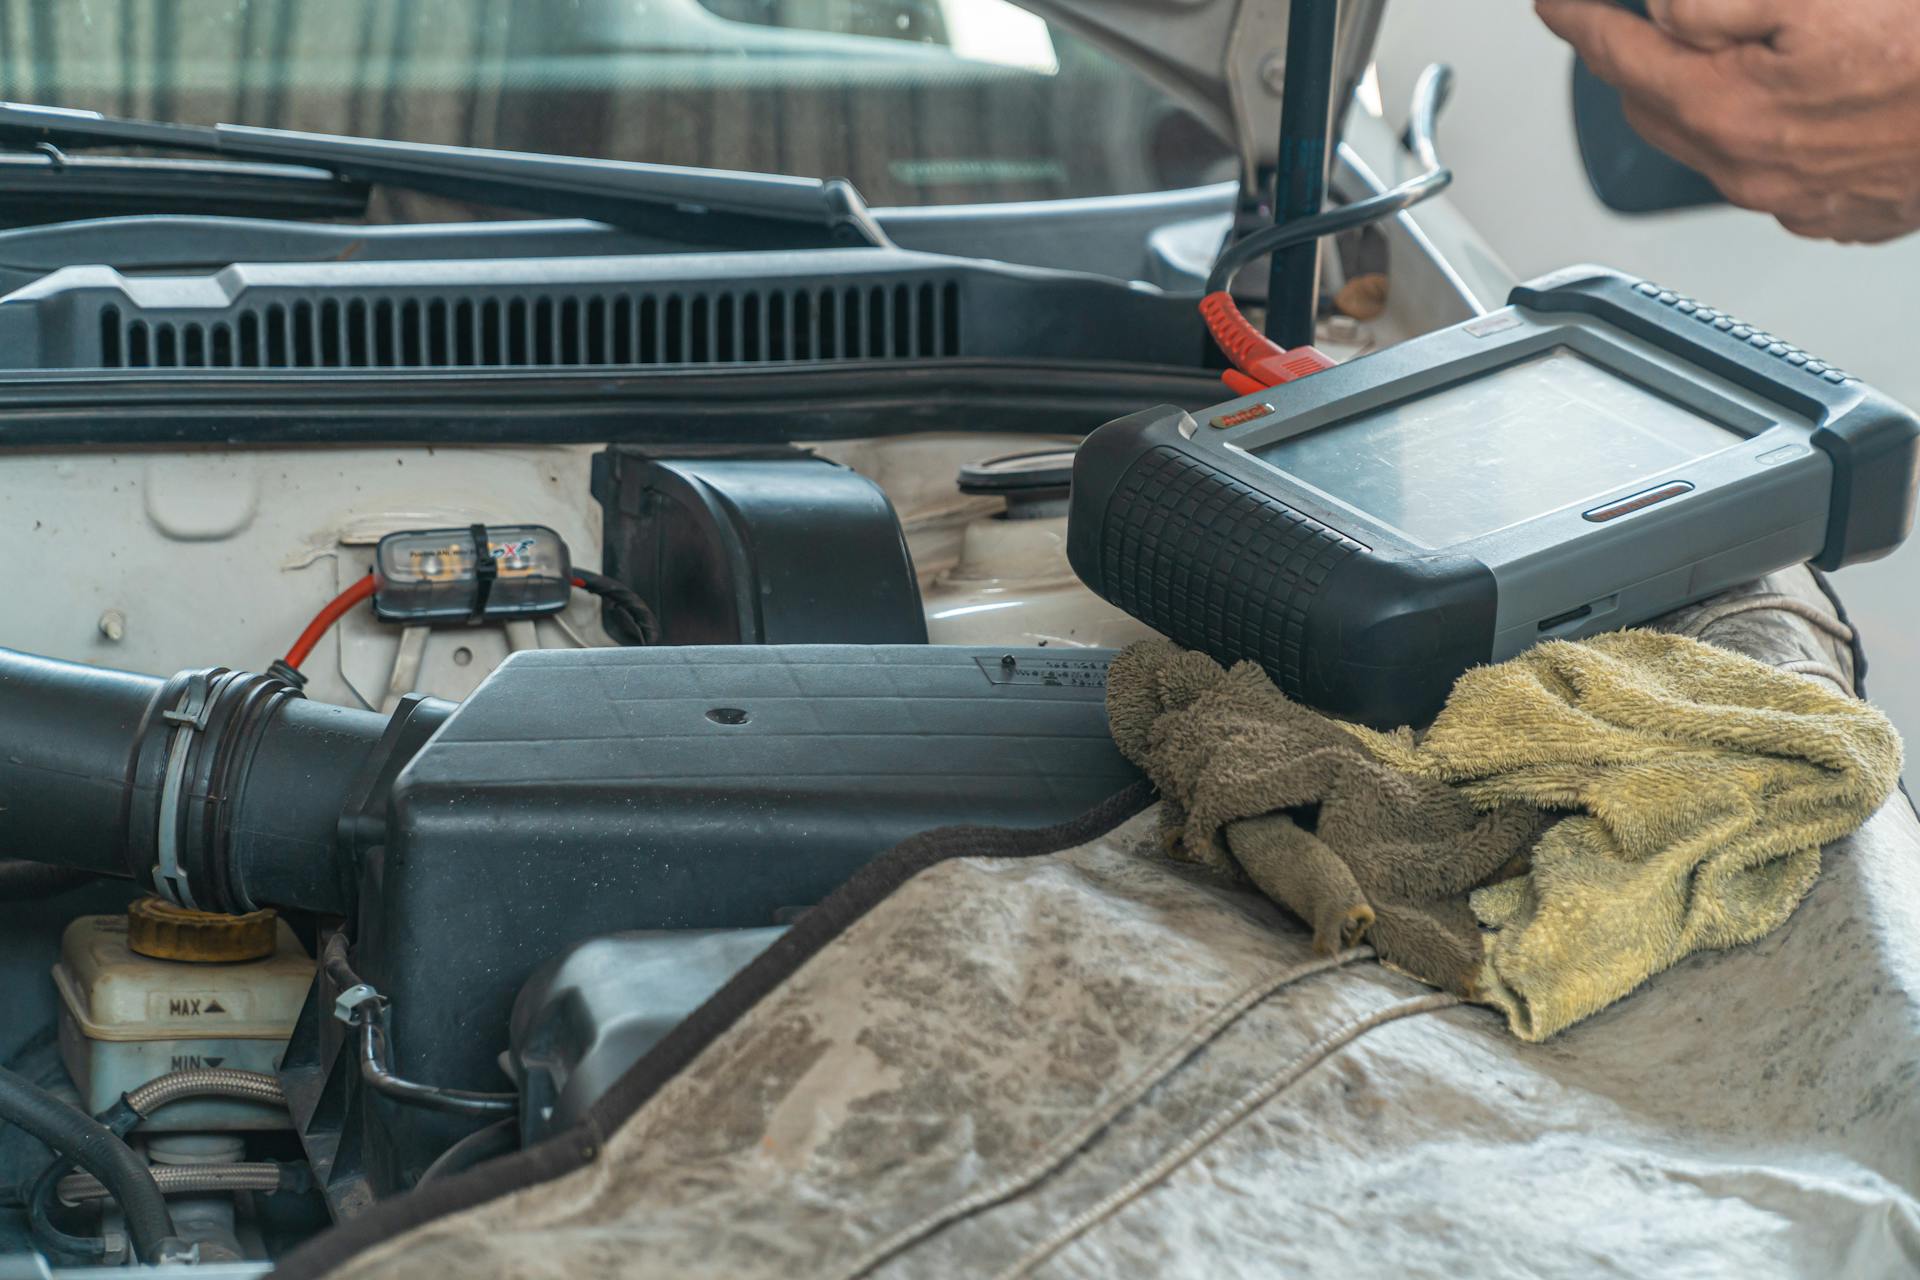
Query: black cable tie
[{"x": 485, "y": 571}]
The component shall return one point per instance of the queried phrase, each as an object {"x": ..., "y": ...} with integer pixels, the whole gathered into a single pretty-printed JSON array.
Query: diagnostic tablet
[{"x": 1597, "y": 452}]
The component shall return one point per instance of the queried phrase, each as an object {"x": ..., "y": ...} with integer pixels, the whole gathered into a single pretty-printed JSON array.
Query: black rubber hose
[
  {"x": 28, "y": 881},
  {"x": 85, "y": 760},
  {"x": 374, "y": 1071},
  {"x": 58, "y": 1245},
  {"x": 121, "y": 1119},
  {"x": 66, "y": 733},
  {"x": 285, "y": 831},
  {"x": 89, "y": 1144}
]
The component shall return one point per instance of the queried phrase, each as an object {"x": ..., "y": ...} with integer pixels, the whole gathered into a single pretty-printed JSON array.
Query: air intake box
[{"x": 584, "y": 792}]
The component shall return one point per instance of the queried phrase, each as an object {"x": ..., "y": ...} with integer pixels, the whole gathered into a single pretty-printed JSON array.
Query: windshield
[{"x": 916, "y": 101}]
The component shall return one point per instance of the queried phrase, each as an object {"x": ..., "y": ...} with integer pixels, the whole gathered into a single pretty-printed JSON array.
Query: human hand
[{"x": 1808, "y": 110}]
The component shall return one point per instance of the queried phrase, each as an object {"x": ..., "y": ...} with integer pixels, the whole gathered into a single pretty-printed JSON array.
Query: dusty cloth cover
[
  {"x": 1702, "y": 784},
  {"x": 1102, "y": 1061}
]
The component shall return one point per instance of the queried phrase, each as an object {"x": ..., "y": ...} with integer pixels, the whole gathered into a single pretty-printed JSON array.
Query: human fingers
[
  {"x": 1625, "y": 50},
  {"x": 1851, "y": 220},
  {"x": 1715, "y": 24}
]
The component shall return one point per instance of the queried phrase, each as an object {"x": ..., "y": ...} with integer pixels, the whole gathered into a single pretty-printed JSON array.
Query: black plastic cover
[
  {"x": 589, "y": 1014},
  {"x": 579, "y": 793},
  {"x": 759, "y": 547}
]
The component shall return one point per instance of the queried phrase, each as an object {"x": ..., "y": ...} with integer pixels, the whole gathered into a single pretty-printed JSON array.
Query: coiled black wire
[
  {"x": 1429, "y": 96},
  {"x": 633, "y": 618}
]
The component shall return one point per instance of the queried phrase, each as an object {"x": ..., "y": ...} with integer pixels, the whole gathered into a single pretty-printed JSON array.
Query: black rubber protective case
[{"x": 1379, "y": 633}]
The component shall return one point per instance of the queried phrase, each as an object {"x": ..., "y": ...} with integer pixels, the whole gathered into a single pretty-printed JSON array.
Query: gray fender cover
[{"x": 1059, "y": 1053}]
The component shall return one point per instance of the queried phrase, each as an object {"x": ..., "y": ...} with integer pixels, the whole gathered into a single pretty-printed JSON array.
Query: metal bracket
[
  {"x": 188, "y": 716},
  {"x": 405, "y": 675}
]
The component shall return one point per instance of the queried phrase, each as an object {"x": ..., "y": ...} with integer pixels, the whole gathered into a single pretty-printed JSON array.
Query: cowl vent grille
[{"x": 400, "y": 330}]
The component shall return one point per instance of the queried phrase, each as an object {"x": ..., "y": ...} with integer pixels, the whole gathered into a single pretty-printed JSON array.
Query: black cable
[
  {"x": 430, "y": 1097},
  {"x": 486, "y": 570},
  {"x": 333, "y": 959},
  {"x": 94, "y": 1147},
  {"x": 1429, "y": 95},
  {"x": 374, "y": 1071},
  {"x": 634, "y": 615}
]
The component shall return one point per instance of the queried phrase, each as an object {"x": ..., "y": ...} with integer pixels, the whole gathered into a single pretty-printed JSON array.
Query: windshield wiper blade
[
  {"x": 48, "y": 186},
  {"x": 698, "y": 206}
]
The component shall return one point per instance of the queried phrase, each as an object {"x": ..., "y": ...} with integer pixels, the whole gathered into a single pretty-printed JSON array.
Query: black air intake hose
[
  {"x": 30, "y": 881},
  {"x": 219, "y": 789},
  {"x": 66, "y": 735}
]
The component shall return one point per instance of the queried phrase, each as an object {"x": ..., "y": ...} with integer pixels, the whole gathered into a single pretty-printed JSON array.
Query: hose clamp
[
  {"x": 177, "y": 1252},
  {"x": 188, "y": 716}
]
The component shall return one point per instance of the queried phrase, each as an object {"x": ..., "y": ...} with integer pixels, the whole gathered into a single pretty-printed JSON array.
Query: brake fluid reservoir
[
  {"x": 127, "y": 1018},
  {"x": 1012, "y": 583}
]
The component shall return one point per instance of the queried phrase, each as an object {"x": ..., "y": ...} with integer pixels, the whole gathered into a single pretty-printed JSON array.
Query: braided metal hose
[
  {"x": 206, "y": 1082},
  {"x": 185, "y": 1179},
  {"x": 126, "y": 1115}
]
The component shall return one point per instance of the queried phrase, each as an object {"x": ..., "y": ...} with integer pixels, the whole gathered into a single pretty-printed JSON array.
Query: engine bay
[
  {"x": 461, "y": 650},
  {"x": 923, "y": 637},
  {"x": 847, "y": 558}
]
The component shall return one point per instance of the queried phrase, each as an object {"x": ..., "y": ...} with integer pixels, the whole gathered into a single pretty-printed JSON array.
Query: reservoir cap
[{"x": 165, "y": 932}]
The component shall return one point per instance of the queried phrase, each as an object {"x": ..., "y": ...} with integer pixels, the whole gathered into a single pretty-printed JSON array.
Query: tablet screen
[{"x": 1525, "y": 439}]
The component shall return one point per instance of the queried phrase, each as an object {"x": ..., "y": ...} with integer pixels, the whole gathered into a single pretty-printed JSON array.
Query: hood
[{"x": 1225, "y": 59}]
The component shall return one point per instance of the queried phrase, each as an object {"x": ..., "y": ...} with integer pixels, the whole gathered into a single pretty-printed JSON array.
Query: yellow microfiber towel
[
  {"x": 1253, "y": 783},
  {"x": 1699, "y": 785},
  {"x": 1703, "y": 784}
]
